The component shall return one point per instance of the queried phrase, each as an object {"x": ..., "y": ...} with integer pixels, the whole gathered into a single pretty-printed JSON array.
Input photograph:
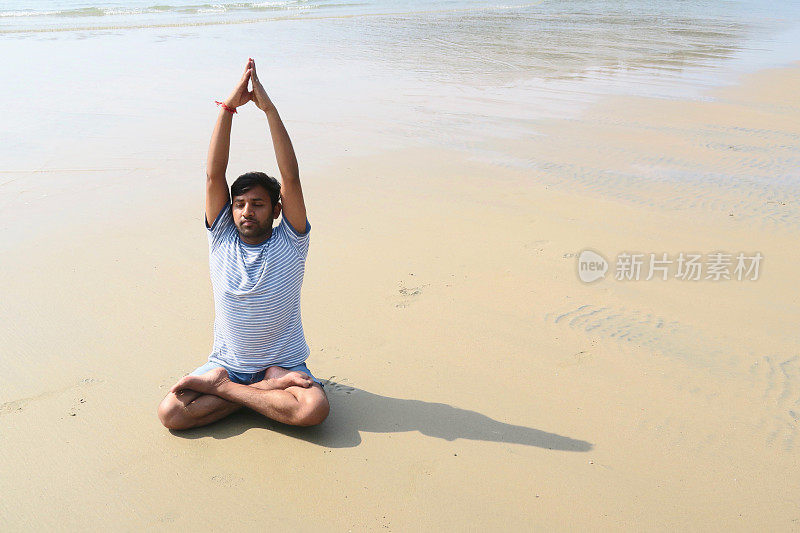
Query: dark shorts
[{"x": 246, "y": 378}]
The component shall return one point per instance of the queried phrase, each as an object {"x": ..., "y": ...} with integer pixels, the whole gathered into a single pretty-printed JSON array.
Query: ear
[{"x": 276, "y": 210}]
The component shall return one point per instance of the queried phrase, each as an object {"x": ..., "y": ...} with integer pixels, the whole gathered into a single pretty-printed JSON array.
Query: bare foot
[
  {"x": 280, "y": 378},
  {"x": 275, "y": 372},
  {"x": 207, "y": 383}
]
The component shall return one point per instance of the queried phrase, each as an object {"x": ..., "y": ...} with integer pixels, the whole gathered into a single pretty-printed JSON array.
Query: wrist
[{"x": 226, "y": 107}]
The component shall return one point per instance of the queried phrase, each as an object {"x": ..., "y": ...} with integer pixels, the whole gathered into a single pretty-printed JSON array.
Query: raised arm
[
  {"x": 294, "y": 207},
  {"x": 217, "y": 193}
]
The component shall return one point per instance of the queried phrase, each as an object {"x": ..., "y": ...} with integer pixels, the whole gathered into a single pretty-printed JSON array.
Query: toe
[{"x": 178, "y": 386}]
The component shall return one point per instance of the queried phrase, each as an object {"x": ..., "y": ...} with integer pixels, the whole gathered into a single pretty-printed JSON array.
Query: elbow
[{"x": 214, "y": 177}]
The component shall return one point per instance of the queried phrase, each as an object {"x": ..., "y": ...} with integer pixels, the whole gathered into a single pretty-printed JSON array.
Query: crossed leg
[
  {"x": 289, "y": 397},
  {"x": 186, "y": 409}
]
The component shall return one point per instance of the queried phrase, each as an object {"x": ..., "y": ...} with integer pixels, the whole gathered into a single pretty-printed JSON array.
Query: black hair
[{"x": 245, "y": 182}]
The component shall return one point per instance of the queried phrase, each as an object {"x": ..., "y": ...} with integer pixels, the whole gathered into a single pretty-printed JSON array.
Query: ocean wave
[
  {"x": 278, "y": 5},
  {"x": 199, "y": 15},
  {"x": 90, "y": 11}
]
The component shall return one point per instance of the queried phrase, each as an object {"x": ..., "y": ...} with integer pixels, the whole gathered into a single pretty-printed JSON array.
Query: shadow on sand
[{"x": 355, "y": 410}]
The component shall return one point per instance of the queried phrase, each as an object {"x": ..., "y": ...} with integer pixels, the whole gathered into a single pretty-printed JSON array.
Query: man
[{"x": 258, "y": 359}]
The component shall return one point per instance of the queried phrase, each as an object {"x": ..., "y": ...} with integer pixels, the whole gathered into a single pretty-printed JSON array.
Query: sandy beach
[{"x": 476, "y": 383}]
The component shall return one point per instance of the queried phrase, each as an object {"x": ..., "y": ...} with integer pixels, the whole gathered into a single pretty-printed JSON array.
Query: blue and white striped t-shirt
[{"x": 257, "y": 296}]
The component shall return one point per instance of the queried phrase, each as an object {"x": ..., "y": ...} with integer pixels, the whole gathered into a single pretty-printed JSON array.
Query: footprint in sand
[
  {"x": 337, "y": 387},
  {"x": 635, "y": 328},
  {"x": 19, "y": 405},
  {"x": 576, "y": 359},
  {"x": 537, "y": 247},
  {"x": 777, "y": 380},
  {"x": 74, "y": 410},
  {"x": 14, "y": 406},
  {"x": 227, "y": 480},
  {"x": 409, "y": 294}
]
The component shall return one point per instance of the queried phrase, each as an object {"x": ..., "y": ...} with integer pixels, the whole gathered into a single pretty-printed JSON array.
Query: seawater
[
  {"x": 493, "y": 42},
  {"x": 70, "y": 15},
  {"x": 120, "y": 85}
]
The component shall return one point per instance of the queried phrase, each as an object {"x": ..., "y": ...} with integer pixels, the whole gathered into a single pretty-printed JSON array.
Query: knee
[
  {"x": 172, "y": 414},
  {"x": 314, "y": 413}
]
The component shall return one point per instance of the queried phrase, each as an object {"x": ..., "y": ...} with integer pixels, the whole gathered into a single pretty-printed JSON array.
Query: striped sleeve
[
  {"x": 221, "y": 228},
  {"x": 298, "y": 241}
]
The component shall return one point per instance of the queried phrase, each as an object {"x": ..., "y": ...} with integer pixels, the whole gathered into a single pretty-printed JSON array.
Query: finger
[{"x": 245, "y": 79}]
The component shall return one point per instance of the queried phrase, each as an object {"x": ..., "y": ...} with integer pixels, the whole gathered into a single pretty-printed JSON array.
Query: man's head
[{"x": 254, "y": 202}]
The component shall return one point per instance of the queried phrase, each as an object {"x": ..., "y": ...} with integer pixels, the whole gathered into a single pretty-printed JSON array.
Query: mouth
[{"x": 248, "y": 223}]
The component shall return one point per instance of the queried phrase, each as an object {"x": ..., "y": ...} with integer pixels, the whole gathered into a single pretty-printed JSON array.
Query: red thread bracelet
[{"x": 226, "y": 108}]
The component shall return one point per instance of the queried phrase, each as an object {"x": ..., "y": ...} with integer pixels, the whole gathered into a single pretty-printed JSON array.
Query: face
[{"x": 253, "y": 214}]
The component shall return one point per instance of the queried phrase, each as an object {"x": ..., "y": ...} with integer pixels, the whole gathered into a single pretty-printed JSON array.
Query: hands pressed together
[{"x": 241, "y": 95}]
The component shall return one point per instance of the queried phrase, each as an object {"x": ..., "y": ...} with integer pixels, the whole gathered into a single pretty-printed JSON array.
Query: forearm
[
  {"x": 220, "y": 145},
  {"x": 284, "y": 151}
]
